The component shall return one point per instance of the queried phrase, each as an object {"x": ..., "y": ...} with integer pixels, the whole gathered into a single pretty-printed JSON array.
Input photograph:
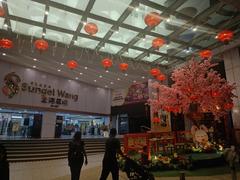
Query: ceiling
[{"x": 187, "y": 26}]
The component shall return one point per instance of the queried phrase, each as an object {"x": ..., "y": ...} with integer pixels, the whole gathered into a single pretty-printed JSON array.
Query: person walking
[
  {"x": 110, "y": 164},
  {"x": 4, "y": 165},
  {"x": 76, "y": 154}
]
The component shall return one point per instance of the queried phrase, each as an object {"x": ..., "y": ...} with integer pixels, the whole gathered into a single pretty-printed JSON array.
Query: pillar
[
  {"x": 232, "y": 68},
  {"x": 48, "y": 125}
]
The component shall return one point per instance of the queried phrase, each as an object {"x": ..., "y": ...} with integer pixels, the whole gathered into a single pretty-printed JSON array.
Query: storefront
[{"x": 49, "y": 104}]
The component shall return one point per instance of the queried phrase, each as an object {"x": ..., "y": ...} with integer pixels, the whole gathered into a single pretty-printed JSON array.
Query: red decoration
[
  {"x": 41, "y": 45},
  {"x": 156, "y": 120},
  {"x": 157, "y": 43},
  {"x": 155, "y": 72},
  {"x": 205, "y": 54},
  {"x": 123, "y": 66},
  {"x": 152, "y": 19},
  {"x": 161, "y": 77},
  {"x": 107, "y": 63},
  {"x": 216, "y": 93},
  {"x": 2, "y": 12},
  {"x": 228, "y": 106},
  {"x": 72, "y": 64},
  {"x": 225, "y": 36},
  {"x": 91, "y": 28},
  {"x": 6, "y": 43}
]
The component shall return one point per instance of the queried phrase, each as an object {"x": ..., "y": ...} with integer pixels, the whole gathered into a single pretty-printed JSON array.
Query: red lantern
[
  {"x": 156, "y": 120},
  {"x": 161, "y": 77},
  {"x": 2, "y": 12},
  {"x": 107, "y": 63},
  {"x": 6, "y": 43},
  {"x": 215, "y": 94},
  {"x": 155, "y": 72},
  {"x": 41, "y": 45},
  {"x": 228, "y": 106},
  {"x": 72, "y": 64},
  {"x": 157, "y": 43},
  {"x": 205, "y": 54},
  {"x": 123, "y": 66},
  {"x": 152, "y": 19},
  {"x": 225, "y": 36},
  {"x": 91, "y": 28}
]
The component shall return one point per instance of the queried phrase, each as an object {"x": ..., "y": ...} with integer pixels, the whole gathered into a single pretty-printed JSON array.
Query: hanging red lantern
[
  {"x": 91, "y": 28},
  {"x": 41, "y": 45},
  {"x": 161, "y": 77},
  {"x": 216, "y": 93},
  {"x": 157, "y": 43},
  {"x": 152, "y": 19},
  {"x": 205, "y": 54},
  {"x": 2, "y": 12},
  {"x": 155, "y": 72},
  {"x": 72, "y": 64},
  {"x": 228, "y": 106},
  {"x": 225, "y": 36},
  {"x": 107, "y": 63},
  {"x": 123, "y": 66},
  {"x": 156, "y": 120},
  {"x": 6, "y": 43}
]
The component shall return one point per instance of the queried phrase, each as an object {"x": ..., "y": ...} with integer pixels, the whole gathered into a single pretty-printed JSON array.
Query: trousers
[{"x": 110, "y": 167}]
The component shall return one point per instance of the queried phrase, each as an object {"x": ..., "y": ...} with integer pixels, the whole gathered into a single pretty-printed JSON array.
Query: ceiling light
[
  {"x": 4, "y": 54},
  {"x": 143, "y": 77},
  {"x": 194, "y": 29},
  {"x": 167, "y": 46},
  {"x": 118, "y": 79},
  {"x": 34, "y": 66},
  {"x": 126, "y": 74},
  {"x": 168, "y": 20},
  {"x": 75, "y": 41},
  {"x": 85, "y": 67},
  {"x": 5, "y": 25},
  {"x": 81, "y": 73},
  {"x": 134, "y": 81},
  {"x": 107, "y": 71},
  {"x": 34, "y": 59},
  {"x": 100, "y": 76},
  {"x": 95, "y": 80},
  {"x": 117, "y": 32},
  {"x": 44, "y": 34},
  {"x": 62, "y": 64},
  {"x": 144, "y": 39},
  {"x": 84, "y": 23},
  {"x": 105, "y": 86},
  {"x": 59, "y": 70},
  {"x": 111, "y": 83},
  {"x": 137, "y": 9},
  {"x": 76, "y": 78},
  {"x": 46, "y": 12},
  {"x": 216, "y": 37}
]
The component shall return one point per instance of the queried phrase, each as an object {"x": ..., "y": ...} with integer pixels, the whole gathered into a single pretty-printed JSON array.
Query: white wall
[
  {"x": 48, "y": 125},
  {"x": 90, "y": 98}
]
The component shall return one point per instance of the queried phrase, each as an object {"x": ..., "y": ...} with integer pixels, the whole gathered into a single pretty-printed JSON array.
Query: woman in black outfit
[{"x": 76, "y": 154}]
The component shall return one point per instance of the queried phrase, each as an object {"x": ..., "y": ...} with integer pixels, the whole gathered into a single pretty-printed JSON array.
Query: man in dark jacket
[
  {"x": 110, "y": 164},
  {"x": 4, "y": 166}
]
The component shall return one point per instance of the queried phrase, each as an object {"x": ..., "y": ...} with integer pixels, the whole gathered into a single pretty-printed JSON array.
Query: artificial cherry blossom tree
[{"x": 196, "y": 83}]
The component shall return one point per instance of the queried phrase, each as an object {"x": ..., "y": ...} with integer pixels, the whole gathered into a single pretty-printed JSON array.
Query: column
[
  {"x": 48, "y": 125},
  {"x": 232, "y": 68}
]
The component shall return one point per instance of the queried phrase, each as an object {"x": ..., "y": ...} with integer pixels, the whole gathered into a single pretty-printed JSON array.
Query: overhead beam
[{"x": 6, "y": 16}]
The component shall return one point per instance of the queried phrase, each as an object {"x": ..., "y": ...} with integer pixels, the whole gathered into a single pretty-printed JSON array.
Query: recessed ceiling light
[
  {"x": 117, "y": 32},
  {"x": 168, "y": 19},
  {"x": 134, "y": 81},
  {"x": 81, "y": 73},
  {"x": 34, "y": 66},
  {"x": 216, "y": 37},
  {"x": 59, "y": 70},
  {"x": 5, "y": 25},
  {"x": 46, "y": 12},
  {"x": 34, "y": 59},
  {"x": 75, "y": 41},
  {"x": 194, "y": 29},
  {"x": 100, "y": 76},
  {"x": 84, "y": 23},
  {"x": 62, "y": 64},
  {"x": 105, "y": 86},
  {"x": 143, "y": 77},
  {"x": 167, "y": 46},
  {"x": 85, "y": 67},
  {"x": 111, "y": 83},
  {"x": 43, "y": 34},
  {"x": 4, "y": 54},
  {"x": 126, "y": 74},
  {"x": 76, "y": 78},
  {"x": 118, "y": 79},
  {"x": 144, "y": 39},
  {"x": 95, "y": 80},
  {"x": 107, "y": 71},
  {"x": 137, "y": 9}
]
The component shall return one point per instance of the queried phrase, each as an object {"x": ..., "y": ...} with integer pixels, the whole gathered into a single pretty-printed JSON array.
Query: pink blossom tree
[{"x": 196, "y": 83}]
